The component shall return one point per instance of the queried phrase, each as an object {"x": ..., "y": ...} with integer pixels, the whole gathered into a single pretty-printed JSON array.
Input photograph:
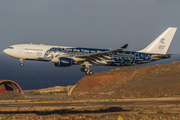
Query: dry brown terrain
[
  {"x": 131, "y": 82},
  {"x": 27, "y": 94},
  {"x": 138, "y": 82},
  {"x": 108, "y": 112},
  {"x": 52, "y": 90}
]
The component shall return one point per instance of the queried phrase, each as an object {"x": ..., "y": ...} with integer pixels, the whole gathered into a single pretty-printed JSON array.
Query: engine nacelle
[{"x": 64, "y": 62}]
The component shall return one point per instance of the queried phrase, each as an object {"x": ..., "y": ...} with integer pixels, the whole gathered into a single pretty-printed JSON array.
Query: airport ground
[{"x": 37, "y": 106}]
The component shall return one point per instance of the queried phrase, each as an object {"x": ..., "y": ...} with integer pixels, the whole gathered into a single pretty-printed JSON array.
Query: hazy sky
[{"x": 88, "y": 23}]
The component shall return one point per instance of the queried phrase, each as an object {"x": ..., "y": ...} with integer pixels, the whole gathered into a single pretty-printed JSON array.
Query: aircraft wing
[
  {"x": 155, "y": 57},
  {"x": 99, "y": 56}
]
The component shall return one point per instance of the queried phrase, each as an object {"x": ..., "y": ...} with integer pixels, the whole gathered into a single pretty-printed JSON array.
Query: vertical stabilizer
[{"x": 161, "y": 44}]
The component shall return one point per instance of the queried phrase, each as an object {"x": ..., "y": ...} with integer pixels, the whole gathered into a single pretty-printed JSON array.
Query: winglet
[{"x": 125, "y": 46}]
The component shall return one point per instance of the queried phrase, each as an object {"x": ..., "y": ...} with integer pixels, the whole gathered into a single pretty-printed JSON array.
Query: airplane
[{"x": 63, "y": 56}]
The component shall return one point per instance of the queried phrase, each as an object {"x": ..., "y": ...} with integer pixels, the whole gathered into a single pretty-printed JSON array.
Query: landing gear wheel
[
  {"x": 21, "y": 64},
  {"x": 82, "y": 70},
  {"x": 86, "y": 69},
  {"x": 87, "y": 73},
  {"x": 90, "y": 72}
]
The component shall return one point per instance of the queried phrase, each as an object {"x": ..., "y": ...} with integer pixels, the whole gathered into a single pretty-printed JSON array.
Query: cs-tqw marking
[{"x": 63, "y": 56}]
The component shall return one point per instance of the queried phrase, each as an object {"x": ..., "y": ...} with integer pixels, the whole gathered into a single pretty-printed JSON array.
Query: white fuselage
[{"x": 30, "y": 51}]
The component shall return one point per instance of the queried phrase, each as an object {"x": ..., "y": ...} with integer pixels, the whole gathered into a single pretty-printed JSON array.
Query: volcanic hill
[{"x": 131, "y": 82}]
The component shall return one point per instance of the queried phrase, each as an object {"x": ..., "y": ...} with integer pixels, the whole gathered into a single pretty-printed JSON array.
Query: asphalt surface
[
  {"x": 137, "y": 101},
  {"x": 91, "y": 103}
]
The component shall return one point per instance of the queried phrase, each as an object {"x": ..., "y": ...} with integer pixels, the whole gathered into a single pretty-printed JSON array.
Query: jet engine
[{"x": 64, "y": 62}]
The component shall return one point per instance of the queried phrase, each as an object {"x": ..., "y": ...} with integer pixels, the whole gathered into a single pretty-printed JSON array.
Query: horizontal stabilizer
[{"x": 156, "y": 57}]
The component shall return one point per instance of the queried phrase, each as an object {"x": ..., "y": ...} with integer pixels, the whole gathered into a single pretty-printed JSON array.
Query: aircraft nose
[
  {"x": 9, "y": 52},
  {"x": 5, "y": 51}
]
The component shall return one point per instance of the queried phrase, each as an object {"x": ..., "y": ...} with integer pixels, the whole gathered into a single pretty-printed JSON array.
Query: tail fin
[{"x": 161, "y": 44}]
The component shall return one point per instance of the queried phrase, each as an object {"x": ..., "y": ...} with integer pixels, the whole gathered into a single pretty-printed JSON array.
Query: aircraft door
[
  {"x": 136, "y": 56},
  {"x": 21, "y": 49}
]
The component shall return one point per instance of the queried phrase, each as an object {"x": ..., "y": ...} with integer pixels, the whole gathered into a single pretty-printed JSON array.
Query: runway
[{"x": 91, "y": 103}]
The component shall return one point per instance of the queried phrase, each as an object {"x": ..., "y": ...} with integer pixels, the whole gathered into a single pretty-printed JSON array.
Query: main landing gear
[
  {"x": 87, "y": 71},
  {"x": 21, "y": 60}
]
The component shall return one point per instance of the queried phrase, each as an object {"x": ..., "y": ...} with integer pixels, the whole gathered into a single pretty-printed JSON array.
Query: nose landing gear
[{"x": 21, "y": 60}]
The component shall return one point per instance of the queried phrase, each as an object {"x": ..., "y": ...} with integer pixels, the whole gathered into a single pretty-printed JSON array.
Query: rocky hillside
[{"x": 131, "y": 82}]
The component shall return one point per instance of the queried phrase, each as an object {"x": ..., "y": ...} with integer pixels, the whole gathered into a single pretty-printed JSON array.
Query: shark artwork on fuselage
[{"x": 63, "y": 56}]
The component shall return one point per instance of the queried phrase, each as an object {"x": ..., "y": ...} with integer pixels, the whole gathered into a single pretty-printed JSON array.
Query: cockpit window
[{"x": 11, "y": 47}]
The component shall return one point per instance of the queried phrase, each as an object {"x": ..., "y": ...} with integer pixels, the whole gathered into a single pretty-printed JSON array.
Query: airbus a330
[{"x": 63, "y": 56}]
